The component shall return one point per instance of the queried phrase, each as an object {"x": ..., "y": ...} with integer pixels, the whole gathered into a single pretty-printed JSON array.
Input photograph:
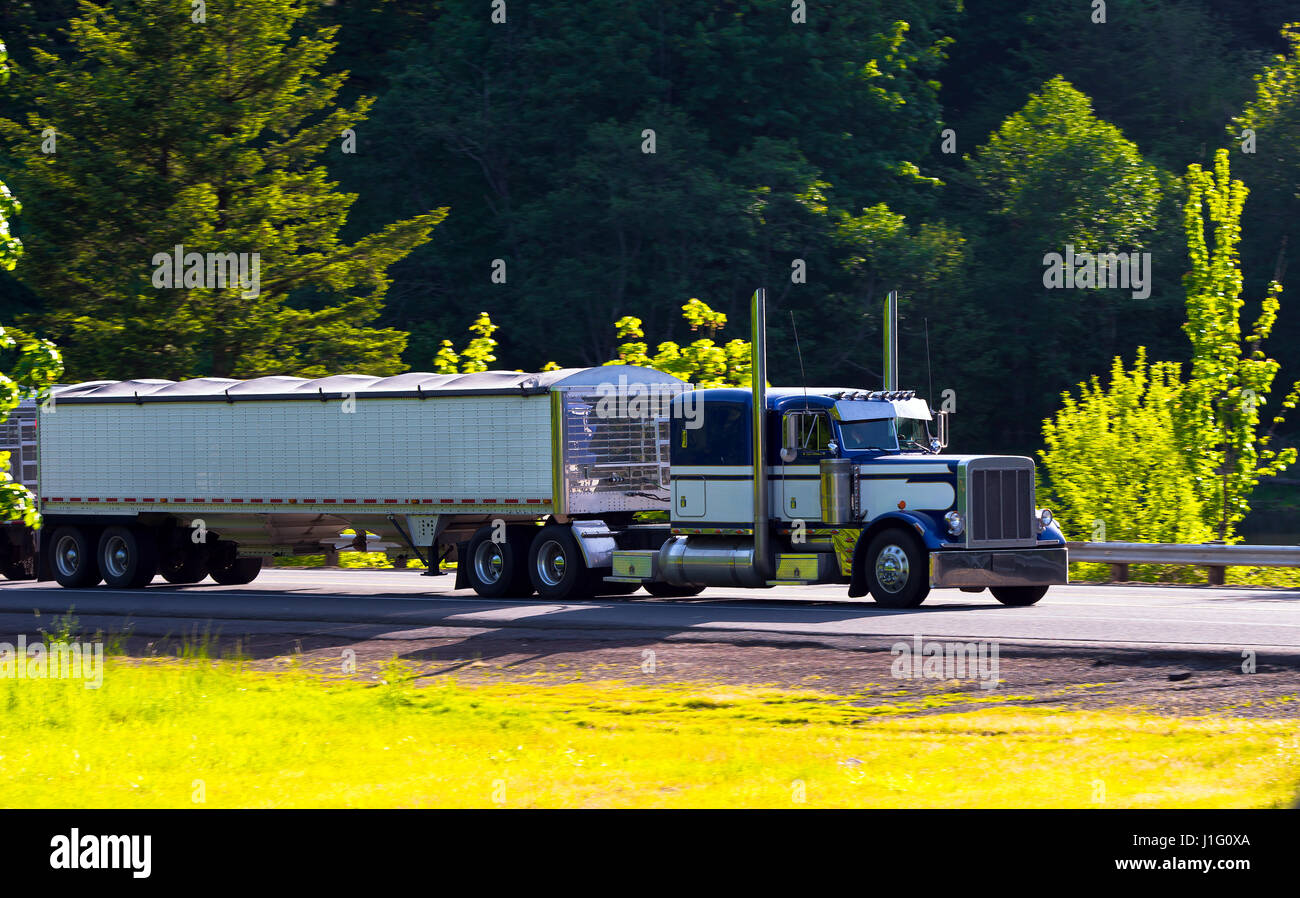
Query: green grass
[{"x": 160, "y": 731}]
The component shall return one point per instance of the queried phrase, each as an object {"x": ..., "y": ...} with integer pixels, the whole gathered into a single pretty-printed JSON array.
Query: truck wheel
[
  {"x": 128, "y": 557},
  {"x": 73, "y": 558},
  {"x": 231, "y": 570},
  {"x": 185, "y": 565},
  {"x": 616, "y": 589},
  {"x": 556, "y": 567},
  {"x": 1018, "y": 595},
  {"x": 499, "y": 570},
  {"x": 668, "y": 591},
  {"x": 18, "y": 568},
  {"x": 896, "y": 571}
]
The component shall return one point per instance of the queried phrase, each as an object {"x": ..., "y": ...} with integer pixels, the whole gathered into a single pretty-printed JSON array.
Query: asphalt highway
[{"x": 377, "y": 602}]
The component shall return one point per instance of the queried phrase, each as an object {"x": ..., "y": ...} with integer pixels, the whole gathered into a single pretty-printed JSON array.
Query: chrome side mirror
[
  {"x": 943, "y": 430},
  {"x": 790, "y": 449}
]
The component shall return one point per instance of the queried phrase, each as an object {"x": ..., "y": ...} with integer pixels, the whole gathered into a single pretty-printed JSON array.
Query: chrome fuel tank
[{"x": 709, "y": 561}]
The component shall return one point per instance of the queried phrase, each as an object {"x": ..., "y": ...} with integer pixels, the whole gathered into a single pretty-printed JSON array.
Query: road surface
[{"x": 389, "y": 602}]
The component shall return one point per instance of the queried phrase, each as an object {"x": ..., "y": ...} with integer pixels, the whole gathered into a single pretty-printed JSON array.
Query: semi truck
[{"x": 565, "y": 484}]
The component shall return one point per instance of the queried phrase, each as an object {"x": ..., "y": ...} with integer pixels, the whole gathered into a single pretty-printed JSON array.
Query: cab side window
[{"x": 811, "y": 431}]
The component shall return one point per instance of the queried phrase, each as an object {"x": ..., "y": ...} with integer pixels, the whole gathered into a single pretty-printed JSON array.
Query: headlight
[
  {"x": 1044, "y": 519},
  {"x": 955, "y": 523}
]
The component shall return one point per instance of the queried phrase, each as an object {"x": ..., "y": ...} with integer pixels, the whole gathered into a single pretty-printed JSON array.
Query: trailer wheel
[
  {"x": 184, "y": 565},
  {"x": 228, "y": 569},
  {"x": 128, "y": 557},
  {"x": 616, "y": 589},
  {"x": 897, "y": 574},
  {"x": 1018, "y": 595},
  {"x": 498, "y": 570},
  {"x": 668, "y": 591},
  {"x": 18, "y": 568},
  {"x": 73, "y": 558},
  {"x": 556, "y": 566}
]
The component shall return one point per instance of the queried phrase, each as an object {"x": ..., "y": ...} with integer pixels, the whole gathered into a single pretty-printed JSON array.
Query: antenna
[
  {"x": 799, "y": 351},
  {"x": 929, "y": 372}
]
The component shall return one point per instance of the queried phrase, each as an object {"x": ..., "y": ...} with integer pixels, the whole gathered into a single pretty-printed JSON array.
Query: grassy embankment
[{"x": 162, "y": 732}]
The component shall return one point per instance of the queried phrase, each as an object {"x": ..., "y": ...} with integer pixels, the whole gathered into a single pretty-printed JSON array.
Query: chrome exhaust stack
[
  {"x": 890, "y": 332},
  {"x": 763, "y": 567},
  {"x": 708, "y": 560}
]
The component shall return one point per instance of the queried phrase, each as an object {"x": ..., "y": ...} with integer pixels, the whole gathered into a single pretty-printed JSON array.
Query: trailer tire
[
  {"x": 184, "y": 565},
  {"x": 18, "y": 568},
  {"x": 668, "y": 591},
  {"x": 616, "y": 589},
  {"x": 897, "y": 574},
  {"x": 228, "y": 569},
  {"x": 497, "y": 570},
  {"x": 556, "y": 565},
  {"x": 127, "y": 556},
  {"x": 1018, "y": 596},
  {"x": 73, "y": 558}
]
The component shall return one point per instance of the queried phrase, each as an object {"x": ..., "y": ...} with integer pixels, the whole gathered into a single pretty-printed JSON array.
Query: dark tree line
[{"x": 930, "y": 146}]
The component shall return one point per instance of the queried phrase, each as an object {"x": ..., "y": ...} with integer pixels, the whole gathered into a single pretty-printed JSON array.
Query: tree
[
  {"x": 475, "y": 356},
  {"x": 28, "y": 365},
  {"x": 1157, "y": 458},
  {"x": 1113, "y": 467},
  {"x": 1052, "y": 176},
  {"x": 1231, "y": 377},
  {"x": 167, "y": 127},
  {"x": 550, "y": 170},
  {"x": 702, "y": 362}
]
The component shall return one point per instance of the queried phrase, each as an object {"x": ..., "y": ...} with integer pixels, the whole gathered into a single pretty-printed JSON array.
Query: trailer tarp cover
[{"x": 414, "y": 383}]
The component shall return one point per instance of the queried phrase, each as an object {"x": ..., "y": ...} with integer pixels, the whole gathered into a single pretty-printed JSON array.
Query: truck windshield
[
  {"x": 913, "y": 433},
  {"x": 876, "y": 434}
]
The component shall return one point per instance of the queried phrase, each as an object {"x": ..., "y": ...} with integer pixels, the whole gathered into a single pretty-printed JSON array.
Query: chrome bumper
[{"x": 999, "y": 567}]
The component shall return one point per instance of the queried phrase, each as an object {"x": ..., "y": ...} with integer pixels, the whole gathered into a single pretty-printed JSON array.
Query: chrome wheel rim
[
  {"x": 892, "y": 569},
  {"x": 489, "y": 562},
  {"x": 117, "y": 556},
  {"x": 551, "y": 563},
  {"x": 67, "y": 556}
]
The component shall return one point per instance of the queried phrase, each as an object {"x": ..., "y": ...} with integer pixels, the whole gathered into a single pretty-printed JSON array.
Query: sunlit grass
[{"x": 161, "y": 733}]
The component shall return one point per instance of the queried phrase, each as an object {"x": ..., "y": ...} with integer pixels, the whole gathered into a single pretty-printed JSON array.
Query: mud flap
[
  {"x": 462, "y": 577},
  {"x": 858, "y": 576}
]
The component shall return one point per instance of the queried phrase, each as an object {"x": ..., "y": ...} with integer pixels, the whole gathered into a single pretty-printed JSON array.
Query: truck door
[{"x": 801, "y": 477}]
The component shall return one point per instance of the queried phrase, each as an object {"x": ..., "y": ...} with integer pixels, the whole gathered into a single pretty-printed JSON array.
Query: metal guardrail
[{"x": 1214, "y": 556}]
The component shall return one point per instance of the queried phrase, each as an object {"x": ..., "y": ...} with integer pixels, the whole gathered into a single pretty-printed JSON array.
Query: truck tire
[
  {"x": 897, "y": 574},
  {"x": 184, "y": 565},
  {"x": 127, "y": 556},
  {"x": 497, "y": 570},
  {"x": 616, "y": 589},
  {"x": 668, "y": 591},
  {"x": 18, "y": 568},
  {"x": 72, "y": 557},
  {"x": 228, "y": 569},
  {"x": 1018, "y": 595},
  {"x": 556, "y": 566}
]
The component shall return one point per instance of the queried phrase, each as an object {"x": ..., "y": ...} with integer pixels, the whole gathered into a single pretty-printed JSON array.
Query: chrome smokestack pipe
[
  {"x": 758, "y": 383},
  {"x": 890, "y": 331}
]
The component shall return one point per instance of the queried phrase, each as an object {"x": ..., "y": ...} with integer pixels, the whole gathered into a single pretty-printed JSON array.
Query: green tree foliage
[
  {"x": 1052, "y": 175},
  {"x": 702, "y": 362},
  {"x": 1113, "y": 467},
  {"x": 1272, "y": 173},
  {"x": 28, "y": 365},
  {"x": 1220, "y": 412},
  {"x": 208, "y": 134},
  {"x": 1159, "y": 459},
  {"x": 545, "y": 163},
  {"x": 476, "y": 355}
]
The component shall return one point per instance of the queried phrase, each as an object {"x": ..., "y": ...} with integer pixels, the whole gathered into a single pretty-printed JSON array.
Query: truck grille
[{"x": 1000, "y": 502}]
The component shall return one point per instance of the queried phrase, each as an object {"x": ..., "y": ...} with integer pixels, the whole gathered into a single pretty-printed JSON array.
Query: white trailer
[{"x": 212, "y": 476}]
